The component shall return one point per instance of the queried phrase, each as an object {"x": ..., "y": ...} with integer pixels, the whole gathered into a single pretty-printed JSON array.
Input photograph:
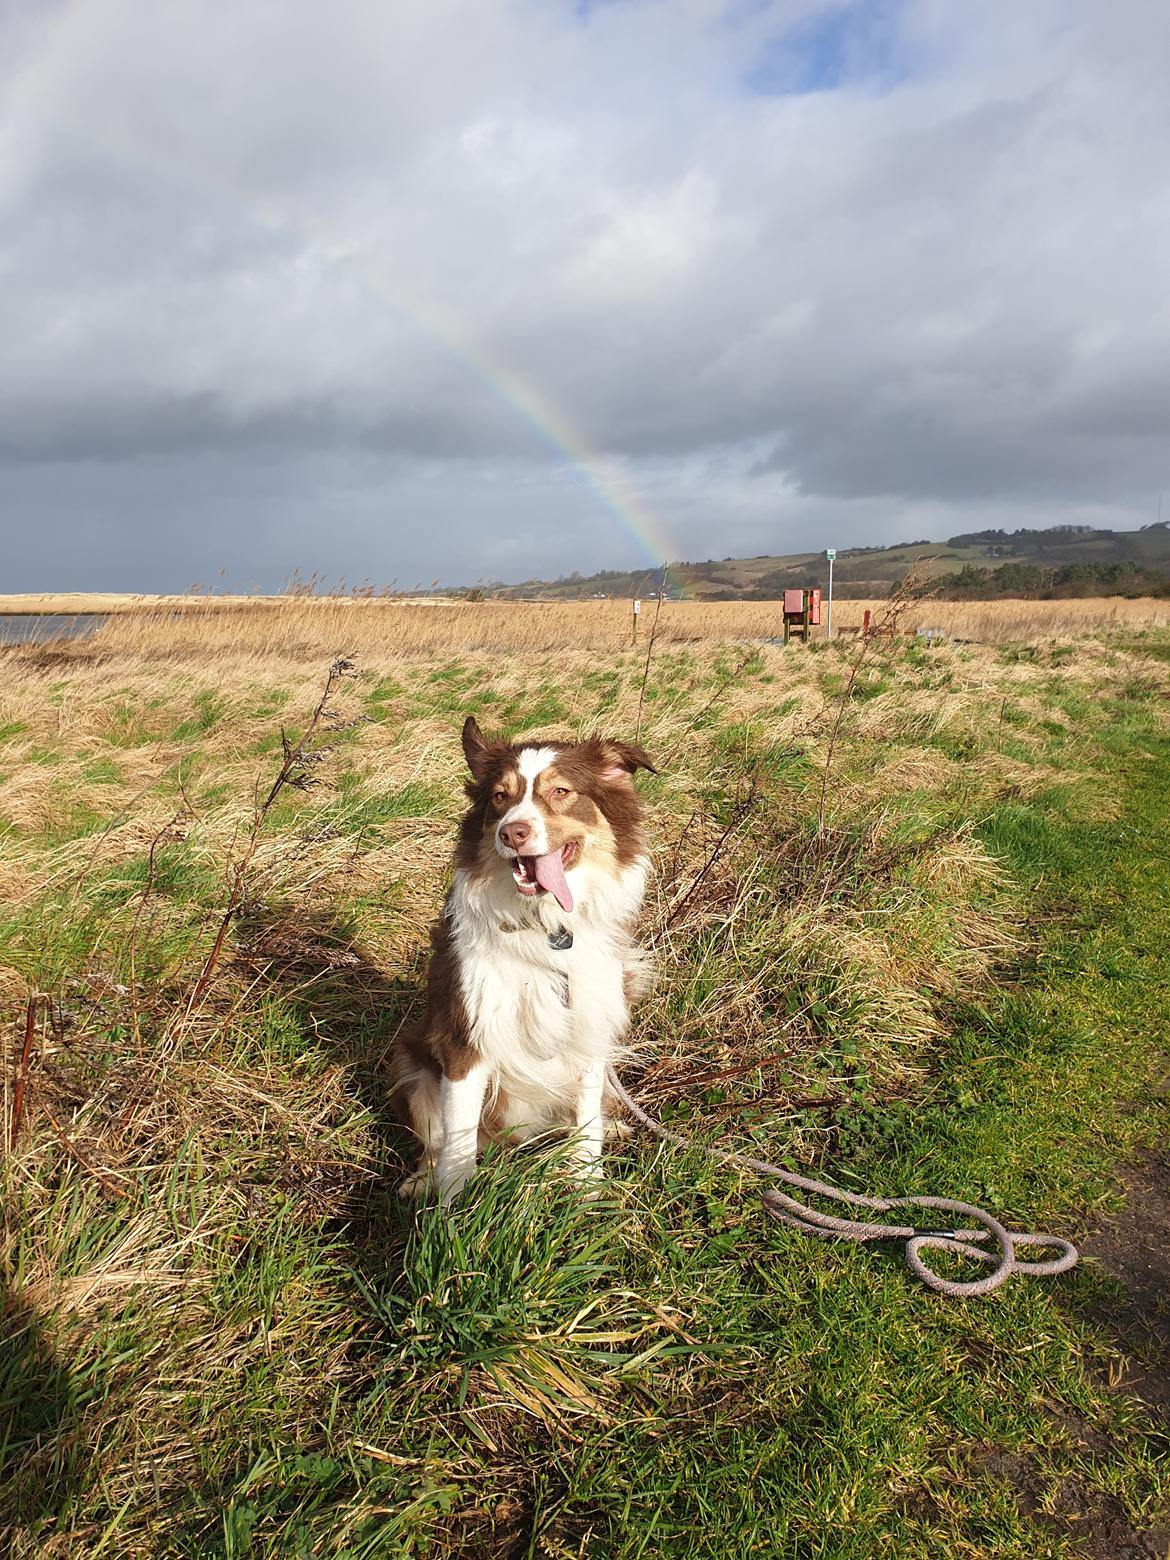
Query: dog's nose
[{"x": 515, "y": 834}]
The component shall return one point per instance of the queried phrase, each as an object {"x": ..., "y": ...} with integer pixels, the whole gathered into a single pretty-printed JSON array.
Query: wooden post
[{"x": 637, "y": 609}]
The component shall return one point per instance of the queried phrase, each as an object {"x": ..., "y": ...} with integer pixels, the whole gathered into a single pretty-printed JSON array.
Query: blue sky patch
[{"x": 836, "y": 46}]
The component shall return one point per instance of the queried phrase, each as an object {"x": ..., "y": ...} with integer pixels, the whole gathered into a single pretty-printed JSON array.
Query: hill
[{"x": 1065, "y": 560}]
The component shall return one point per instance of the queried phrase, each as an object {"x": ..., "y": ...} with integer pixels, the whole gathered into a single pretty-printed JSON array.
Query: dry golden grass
[
  {"x": 193, "y": 627},
  {"x": 100, "y": 725},
  {"x": 995, "y": 621},
  {"x": 125, "y": 734},
  {"x": 111, "y": 744}
]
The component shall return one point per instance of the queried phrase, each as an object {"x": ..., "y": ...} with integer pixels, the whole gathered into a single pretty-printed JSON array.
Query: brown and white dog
[{"x": 533, "y": 961}]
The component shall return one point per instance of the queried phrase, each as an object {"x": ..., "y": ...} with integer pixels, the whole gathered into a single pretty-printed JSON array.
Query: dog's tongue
[{"x": 550, "y": 874}]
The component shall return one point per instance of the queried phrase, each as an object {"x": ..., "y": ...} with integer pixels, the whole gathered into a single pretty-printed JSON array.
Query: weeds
[
  {"x": 884, "y": 627},
  {"x": 649, "y": 653},
  {"x": 225, "y": 1336},
  {"x": 294, "y": 772},
  {"x": 16, "y": 1112}
]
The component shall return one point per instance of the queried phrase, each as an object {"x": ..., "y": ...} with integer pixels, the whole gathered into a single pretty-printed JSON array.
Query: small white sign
[
  {"x": 830, "y": 554},
  {"x": 637, "y": 607}
]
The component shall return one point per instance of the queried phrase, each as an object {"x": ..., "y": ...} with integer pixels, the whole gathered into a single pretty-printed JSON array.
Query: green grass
[
  {"x": 208, "y": 708},
  {"x": 227, "y": 1338},
  {"x": 361, "y": 813}
]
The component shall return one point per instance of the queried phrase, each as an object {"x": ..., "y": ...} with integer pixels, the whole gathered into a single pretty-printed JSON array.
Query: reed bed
[{"x": 319, "y": 626}]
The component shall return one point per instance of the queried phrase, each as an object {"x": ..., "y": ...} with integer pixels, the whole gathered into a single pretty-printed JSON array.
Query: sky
[{"x": 502, "y": 289}]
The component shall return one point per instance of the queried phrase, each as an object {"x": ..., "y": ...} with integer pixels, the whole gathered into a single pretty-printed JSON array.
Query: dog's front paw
[
  {"x": 414, "y": 1187},
  {"x": 585, "y": 1169},
  {"x": 451, "y": 1182}
]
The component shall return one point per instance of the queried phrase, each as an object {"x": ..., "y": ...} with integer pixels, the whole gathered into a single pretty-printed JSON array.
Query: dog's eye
[
  {"x": 499, "y": 797},
  {"x": 560, "y": 790}
]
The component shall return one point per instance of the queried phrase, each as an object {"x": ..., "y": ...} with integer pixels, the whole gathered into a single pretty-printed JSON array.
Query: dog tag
[{"x": 560, "y": 940}]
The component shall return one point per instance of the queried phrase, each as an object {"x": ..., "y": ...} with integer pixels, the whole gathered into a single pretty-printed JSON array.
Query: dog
[{"x": 533, "y": 962}]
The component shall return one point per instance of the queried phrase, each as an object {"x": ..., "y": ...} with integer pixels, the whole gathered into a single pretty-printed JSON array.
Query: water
[{"x": 29, "y": 629}]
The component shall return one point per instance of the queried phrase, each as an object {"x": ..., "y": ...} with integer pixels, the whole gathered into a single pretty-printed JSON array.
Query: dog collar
[{"x": 561, "y": 939}]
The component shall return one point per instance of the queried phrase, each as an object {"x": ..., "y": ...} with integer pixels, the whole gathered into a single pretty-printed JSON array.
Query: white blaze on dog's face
[
  {"x": 530, "y": 762},
  {"x": 536, "y": 835},
  {"x": 543, "y": 808}
]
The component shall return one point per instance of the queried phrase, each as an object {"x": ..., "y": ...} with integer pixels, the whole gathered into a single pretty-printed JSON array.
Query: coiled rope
[{"x": 798, "y": 1216}]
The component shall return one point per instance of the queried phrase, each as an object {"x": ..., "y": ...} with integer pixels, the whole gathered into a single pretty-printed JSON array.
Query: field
[
  {"x": 910, "y": 918},
  {"x": 194, "y": 626}
]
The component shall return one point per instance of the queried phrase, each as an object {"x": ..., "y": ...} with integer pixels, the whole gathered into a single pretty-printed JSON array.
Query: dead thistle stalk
[
  {"x": 293, "y": 772},
  {"x": 22, "y": 1070},
  {"x": 649, "y": 653},
  {"x": 885, "y": 627},
  {"x": 741, "y": 811}
]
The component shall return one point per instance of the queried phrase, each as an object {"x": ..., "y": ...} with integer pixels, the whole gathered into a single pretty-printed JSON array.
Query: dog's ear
[
  {"x": 478, "y": 751},
  {"x": 619, "y": 760}
]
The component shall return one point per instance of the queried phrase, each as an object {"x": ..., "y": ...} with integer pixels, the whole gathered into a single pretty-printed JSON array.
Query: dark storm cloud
[{"x": 791, "y": 265}]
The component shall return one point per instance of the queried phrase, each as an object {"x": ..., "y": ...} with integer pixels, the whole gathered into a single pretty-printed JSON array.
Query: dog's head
[{"x": 545, "y": 808}]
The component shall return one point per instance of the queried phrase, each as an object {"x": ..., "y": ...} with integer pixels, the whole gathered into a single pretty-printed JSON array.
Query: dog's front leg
[
  {"x": 590, "y": 1121},
  {"x": 600, "y": 1016},
  {"x": 461, "y": 1105}
]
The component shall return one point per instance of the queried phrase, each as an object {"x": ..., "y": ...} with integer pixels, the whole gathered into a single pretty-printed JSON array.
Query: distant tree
[
  {"x": 974, "y": 538},
  {"x": 1028, "y": 580}
]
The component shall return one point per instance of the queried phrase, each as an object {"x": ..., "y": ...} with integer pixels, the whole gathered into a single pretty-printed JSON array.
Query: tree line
[{"x": 1071, "y": 579}]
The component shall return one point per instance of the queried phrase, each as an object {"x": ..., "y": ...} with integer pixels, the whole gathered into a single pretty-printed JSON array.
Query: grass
[
  {"x": 198, "y": 628},
  {"x": 226, "y": 1337}
]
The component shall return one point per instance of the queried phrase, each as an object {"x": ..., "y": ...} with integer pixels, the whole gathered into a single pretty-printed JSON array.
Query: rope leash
[{"x": 798, "y": 1216}]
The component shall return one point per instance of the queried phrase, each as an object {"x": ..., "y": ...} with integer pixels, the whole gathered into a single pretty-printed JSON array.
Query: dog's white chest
[
  {"x": 513, "y": 1004},
  {"x": 538, "y": 1014}
]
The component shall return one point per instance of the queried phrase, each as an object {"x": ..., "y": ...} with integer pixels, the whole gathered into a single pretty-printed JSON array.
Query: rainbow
[{"x": 551, "y": 423}]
